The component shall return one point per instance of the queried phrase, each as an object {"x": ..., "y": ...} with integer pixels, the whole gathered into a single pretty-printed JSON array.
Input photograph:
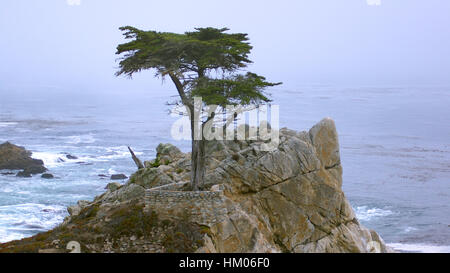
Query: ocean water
[{"x": 395, "y": 150}]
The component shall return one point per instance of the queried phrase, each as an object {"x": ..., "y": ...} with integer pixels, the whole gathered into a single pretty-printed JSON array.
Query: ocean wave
[
  {"x": 51, "y": 159},
  {"x": 111, "y": 171},
  {"x": 7, "y": 123},
  {"x": 409, "y": 229},
  {"x": 7, "y": 236},
  {"x": 365, "y": 213},
  {"x": 17, "y": 220},
  {"x": 81, "y": 139},
  {"x": 6, "y": 189},
  {"x": 421, "y": 248},
  {"x": 116, "y": 152}
]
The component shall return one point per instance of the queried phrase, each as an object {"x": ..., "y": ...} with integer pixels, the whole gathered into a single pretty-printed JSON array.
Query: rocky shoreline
[{"x": 287, "y": 200}]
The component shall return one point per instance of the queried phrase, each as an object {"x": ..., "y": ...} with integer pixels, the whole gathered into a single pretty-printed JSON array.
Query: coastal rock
[
  {"x": 84, "y": 163},
  {"x": 24, "y": 174},
  {"x": 252, "y": 200},
  {"x": 168, "y": 150},
  {"x": 325, "y": 140},
  {"x": 113, "y": 186},
  {"x": 118, "y": 177},
  {"x": 121, "y": 194},
  {"x": 72, "y": 157},
  {"x": 287, "y": 200},
  {"x": 153, "y": 176},
  {"x": 76, "y": 209},
  {"x": 165, "y": 154},
  {"x": 47, "y": 176},
  {"x": 14, "y": 157},
  {"x": 36, "y": 169}
]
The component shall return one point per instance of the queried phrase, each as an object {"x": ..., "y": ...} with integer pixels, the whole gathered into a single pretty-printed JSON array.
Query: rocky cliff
[{"x": 287, "y": 200}]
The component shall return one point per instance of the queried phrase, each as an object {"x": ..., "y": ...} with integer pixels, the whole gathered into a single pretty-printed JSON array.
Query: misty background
[
  {"x": 56, "y": 46},
  {"x": 380, "y": 71}
]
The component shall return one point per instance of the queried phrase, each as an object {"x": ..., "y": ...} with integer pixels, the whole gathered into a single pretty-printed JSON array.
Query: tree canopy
[
  {"x": 201, "y": 63},
  {"x": 206, "y": 63}
]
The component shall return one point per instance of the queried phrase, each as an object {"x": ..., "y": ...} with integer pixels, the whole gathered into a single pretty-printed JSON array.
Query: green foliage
[
  {"x": 201, "y": 50},
  {"x": 201, "y": 63},
  {"x": 232, "y": 90},
  {"x": 156, "y": 163}
]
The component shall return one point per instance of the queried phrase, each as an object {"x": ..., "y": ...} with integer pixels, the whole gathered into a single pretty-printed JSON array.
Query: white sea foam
[
  {"x": 7, "y": 236},
  {"x": 111, "y": 171},
  {"x": 421, "y": 248},
  {"x": 86, "y": 139},
  {"x": 409, "y": 229},
  {"x": 6, "y": 190},
  {"x": 6, "y": 124},
  {"x": 15, "y": 220},
  {"x": 50, "y": 159},
  {"x": 115, "y": 153},
  {"x": 365, "y": 213}
]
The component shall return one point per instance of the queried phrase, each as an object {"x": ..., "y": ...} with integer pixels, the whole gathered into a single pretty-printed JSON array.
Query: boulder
[
  {"x": 14, "y": 157},
  {"x": 29, "y": 171},
  {"x": 113, "y": 186},
  {"x": 168, "y": 151},
  {"x": 152, "y": 177},
  {"x": 71, "y": 157},
  {"x": 36, "y": 169},
  {"x": 24, "y": 174},
  {"x": 76, "y": 209},
  {"x": 47, "y": 176},
  {"x": 324, "y": 138},
  {"x": 118, "y": 177}
]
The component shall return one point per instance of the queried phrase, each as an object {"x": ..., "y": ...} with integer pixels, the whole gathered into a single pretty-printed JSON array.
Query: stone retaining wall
[{"x": 202, "y": 207}]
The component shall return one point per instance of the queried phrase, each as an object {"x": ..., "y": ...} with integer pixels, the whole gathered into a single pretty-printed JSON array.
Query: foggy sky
[{"x": 50, "y": 44}]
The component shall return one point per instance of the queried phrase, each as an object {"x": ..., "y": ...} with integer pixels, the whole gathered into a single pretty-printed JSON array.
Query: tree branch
[{"x": 180, "y": 88}]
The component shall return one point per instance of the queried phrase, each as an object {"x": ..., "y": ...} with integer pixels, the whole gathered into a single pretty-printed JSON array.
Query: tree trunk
[
  {"x": 198, "y": 155},
  {"x": 198, "y": 164},
  {"x": 136, "y": 160},
  {"x": 198, "y": 146}
]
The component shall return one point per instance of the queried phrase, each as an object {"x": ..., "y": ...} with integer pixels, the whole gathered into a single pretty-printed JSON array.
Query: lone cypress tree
[{"x": 204, "y": 63}]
